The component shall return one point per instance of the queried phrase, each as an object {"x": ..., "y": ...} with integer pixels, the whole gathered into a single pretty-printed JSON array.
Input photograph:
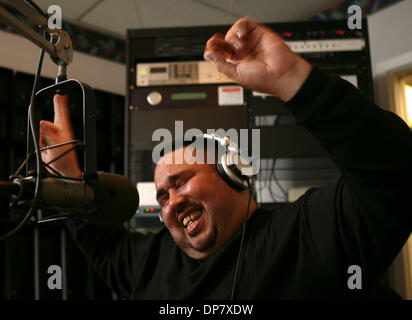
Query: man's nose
[{"x": 176, "y": 201}]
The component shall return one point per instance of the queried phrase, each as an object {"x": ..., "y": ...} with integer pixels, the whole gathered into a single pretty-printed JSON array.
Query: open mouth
[{"x": 190, "y": 219}]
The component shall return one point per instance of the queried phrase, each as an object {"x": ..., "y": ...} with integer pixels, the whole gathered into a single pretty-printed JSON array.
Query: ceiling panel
[
  {"x": 114, "y": 16},
  {"x": 176, "y": 13},
  {"x": 270, "y": 10},
  {"x": 71, "y": 10}
]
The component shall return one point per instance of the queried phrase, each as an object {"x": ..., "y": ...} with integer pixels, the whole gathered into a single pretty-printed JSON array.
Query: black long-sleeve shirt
[{"x": 301, "y": 250}]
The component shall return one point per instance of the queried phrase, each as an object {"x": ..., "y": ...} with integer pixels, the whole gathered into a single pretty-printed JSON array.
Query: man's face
[{"x": 199, "y": 208}]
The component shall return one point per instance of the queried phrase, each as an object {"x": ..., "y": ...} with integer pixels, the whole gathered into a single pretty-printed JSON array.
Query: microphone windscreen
[{"x": 116, "y": 198}]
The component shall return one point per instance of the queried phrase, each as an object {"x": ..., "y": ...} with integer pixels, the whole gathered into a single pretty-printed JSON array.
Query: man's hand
[
  {"x": 257, "y": 58},
  {"x": 57, "y": 132}
]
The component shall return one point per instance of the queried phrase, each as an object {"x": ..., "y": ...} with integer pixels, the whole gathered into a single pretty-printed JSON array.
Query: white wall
[
  {"x": 391, "y": 51},
  {"x": 390, "y": 32},
  {"x": 391, "y": 46},
  {"x": 20, "y": 54}
]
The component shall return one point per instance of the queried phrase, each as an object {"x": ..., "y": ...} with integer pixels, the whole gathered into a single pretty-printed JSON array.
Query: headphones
[{"x": 232, "y": 166}]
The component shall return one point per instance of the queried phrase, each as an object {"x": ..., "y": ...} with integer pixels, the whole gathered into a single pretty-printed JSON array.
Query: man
[{"x": 302, "y": 250}]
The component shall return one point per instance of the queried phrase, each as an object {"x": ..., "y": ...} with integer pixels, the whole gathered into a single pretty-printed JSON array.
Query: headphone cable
[{"x": 241, "y": 243}]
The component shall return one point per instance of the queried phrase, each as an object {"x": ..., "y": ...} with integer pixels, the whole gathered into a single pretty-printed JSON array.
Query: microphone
[
  {"x": 110, "y": 199},
  {"x": 8, "y": 188}
]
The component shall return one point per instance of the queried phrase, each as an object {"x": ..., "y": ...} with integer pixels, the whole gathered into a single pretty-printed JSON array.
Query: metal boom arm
[{"x": 59, "y": 48}]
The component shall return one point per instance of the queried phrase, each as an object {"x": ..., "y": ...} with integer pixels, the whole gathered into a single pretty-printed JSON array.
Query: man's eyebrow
[
  {"x": 160, "y": 193},
  {"x": 170, "y": 180}
]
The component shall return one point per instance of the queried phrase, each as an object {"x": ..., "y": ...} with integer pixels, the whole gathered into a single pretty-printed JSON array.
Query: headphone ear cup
[
  {"x": 225, "y": 177},
  {"x": 228, "y": 167},
  {"x": 232, "y": 178}
]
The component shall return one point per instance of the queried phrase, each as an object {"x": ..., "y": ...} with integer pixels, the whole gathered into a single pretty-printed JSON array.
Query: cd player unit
[{"x": 178, "y": 73}]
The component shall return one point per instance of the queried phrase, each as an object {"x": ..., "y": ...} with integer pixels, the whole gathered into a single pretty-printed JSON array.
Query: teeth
[{"x": 188, "y": 219}]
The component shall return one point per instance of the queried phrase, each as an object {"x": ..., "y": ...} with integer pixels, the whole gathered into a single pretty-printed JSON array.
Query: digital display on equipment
[
  {"x": 158, "y": 70},
  {"x": 188, "y": 96}
]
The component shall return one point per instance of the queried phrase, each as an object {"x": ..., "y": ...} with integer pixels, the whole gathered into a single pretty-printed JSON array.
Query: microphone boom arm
[{"x": 59, "y": 47}]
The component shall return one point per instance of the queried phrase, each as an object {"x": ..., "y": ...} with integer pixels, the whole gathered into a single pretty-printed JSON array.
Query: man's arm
[
  {"x": 368, "y": 213},
  {"x": 367, "y": 216},
  {"x": 257, "y": 58},
  {"x": 111, "y": 250},
  {"x": 105, "y": 248}
]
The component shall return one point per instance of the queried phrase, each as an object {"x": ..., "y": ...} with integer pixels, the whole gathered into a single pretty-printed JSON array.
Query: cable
[
  {"x": 273, "y": 175},
  {"x": 33, "y": 131},
  {"x": 21, "y": 225},
  {"x": 36, "y": 146},
  {"x": 241, "y": 244},
  {"x": 35, "y": 6}
]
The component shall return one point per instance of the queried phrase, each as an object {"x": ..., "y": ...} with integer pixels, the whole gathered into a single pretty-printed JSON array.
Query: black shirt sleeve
[
  {"x": 104, "y": 248},
  {"x": 124, "y": 260},
  {"x": 366, "y": 217}
]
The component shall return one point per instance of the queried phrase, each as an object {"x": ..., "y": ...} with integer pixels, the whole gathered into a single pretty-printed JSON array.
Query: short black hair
[{"x": 182, "y": 143}]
